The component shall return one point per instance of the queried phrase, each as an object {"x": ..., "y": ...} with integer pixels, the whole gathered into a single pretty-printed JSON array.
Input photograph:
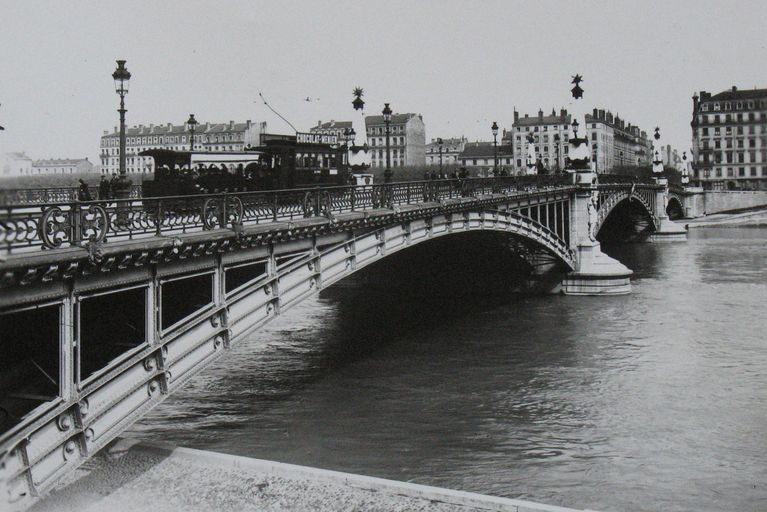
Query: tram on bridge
[{"x": 280, "y": 162}]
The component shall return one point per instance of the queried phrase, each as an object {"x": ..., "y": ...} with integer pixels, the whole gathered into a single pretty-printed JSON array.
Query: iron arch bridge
[
  {"x": 181, "y": 280},
  {"x": 611, "y": 197}
]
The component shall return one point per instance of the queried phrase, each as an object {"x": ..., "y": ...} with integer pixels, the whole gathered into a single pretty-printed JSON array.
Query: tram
[{"x": 280, "y": 162}]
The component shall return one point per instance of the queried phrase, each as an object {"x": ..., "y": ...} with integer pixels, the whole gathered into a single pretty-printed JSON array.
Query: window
[
  {"x": 717, "y": 132},
  {"x": 730, "y": 172},
  {"x": 716, "y": 107},
  {"x": 704, "y": 107},
  {"x": 705, "y": 132},
  {"x": 741, "y": 171},
  {"x": 739, "y": 105},
  {"x": 753, "y": 171}
]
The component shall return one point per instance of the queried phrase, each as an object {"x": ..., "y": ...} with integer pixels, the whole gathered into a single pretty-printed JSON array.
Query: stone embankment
[
  {"x": 751, "y": 218},
  {"x": 135, "y": 478}
]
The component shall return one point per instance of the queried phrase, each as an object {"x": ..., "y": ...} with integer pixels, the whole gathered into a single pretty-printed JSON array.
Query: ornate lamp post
[
  {"x": 387, "y": 121},
  {"x": 121, "y": 76},
  {"x": 494, "y": 128},
  {"x": 439, "y": 141},
  {"x": 190, "y": 124}
]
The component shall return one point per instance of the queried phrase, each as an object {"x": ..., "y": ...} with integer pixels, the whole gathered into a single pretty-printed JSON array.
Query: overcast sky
[{"x": 460, "y": 64}]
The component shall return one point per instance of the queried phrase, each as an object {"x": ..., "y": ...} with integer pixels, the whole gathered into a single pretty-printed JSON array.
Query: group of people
[
  {"x": 456, "y": 174},
  {"x": 106, "y": 189}
]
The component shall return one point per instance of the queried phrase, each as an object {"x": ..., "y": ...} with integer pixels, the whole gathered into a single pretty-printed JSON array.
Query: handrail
[{"x": 52, "y": 225}]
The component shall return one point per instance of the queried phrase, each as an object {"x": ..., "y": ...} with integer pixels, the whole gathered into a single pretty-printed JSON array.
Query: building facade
[
  {"x": 616, "y": 143},
  {"x": 407, "y": 140},
  {"x": 338, "y": 128},
  {"x": 450, "y": 150},
  {"x": 62, "y": 166},
  {"x": 229, "y": 136},
  {"x": 479, "y": 158},
  {"x": 16, "y": 163},
  {"x": 549, "y": 135},
  {"x": 729, "y": 139}
]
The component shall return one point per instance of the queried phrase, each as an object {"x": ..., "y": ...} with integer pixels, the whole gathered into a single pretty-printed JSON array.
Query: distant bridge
[{"x": 109, "y": 306}]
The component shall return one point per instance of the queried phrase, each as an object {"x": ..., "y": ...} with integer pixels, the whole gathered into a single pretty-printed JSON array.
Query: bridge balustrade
[{"x": 52, "y": 225}]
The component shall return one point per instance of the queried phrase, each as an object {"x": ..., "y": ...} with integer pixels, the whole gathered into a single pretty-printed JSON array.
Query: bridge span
[{"x": 107, "y": 307}]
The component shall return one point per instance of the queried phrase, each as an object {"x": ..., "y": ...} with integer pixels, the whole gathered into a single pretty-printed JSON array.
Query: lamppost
[
  {"x": 349, "y": 134},
  {"x": 387, "y": 121},
  {"x": 439, "y": 142},
  {"x": 556, "y": 148},
  {"x": 495, "y": 148},
  {"x": 121, "y": 76},
  {"x": 190, "y": 124}
]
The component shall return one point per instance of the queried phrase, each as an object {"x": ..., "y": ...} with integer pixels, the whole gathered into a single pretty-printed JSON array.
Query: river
[{"x": 652, "y": 401}]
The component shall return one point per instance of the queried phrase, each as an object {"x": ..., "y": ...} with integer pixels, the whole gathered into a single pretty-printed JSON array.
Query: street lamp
[
  {"x": 439, "y": 141},
  {"x": 121, "y": 77},
  {"x": 190, "y": 124},
  {"x": 556, "y": 148},
  {"x": 495, "y": 147},
  {"x": 387, "y": 121}
]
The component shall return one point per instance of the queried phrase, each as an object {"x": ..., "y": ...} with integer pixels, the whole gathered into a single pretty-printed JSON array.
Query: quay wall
[{"x": 719, "y": 201}]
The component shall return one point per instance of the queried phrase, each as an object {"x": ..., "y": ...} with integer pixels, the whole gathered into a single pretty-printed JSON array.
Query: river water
[{"x": 652, "y": 401}]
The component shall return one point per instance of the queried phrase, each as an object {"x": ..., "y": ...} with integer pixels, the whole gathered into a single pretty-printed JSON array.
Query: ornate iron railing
[
  {"x": 26, "y": 196},
  {"x": 71, "y": 223}
]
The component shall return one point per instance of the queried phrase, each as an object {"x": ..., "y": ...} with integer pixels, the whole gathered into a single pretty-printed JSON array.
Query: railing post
[
  {"x": 158, "y": 217},
  {"x": 353, "y": 196},
  {"x": 222, "y": 221},
  {"x": 408, "y": 193},
  {"x": 274, "y": 207},
  {"x": 317, "y": 202},
  {"x": 76, "y": 234}
]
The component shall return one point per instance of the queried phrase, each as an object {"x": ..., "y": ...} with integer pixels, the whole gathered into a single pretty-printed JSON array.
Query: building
[
  {"x": 670, "y": 156},
  {"x": 62, "y": 166},
  {"x": 407, "y": 140},
  {"x": 229, "y": 136},
  {"x": 729, "y": 139},
  {"x": 616, "y": 143},
  {"x": 549, "y": 134},
  {"x": 451, "y": 148},
  {"x": 338, "y": 128},
  {"x": 15, "y": 164},
  {"x": 479, "y": 158}
]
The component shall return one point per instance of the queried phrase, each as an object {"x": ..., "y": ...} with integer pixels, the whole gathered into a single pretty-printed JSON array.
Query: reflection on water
[{"x": 652, "y": 401}]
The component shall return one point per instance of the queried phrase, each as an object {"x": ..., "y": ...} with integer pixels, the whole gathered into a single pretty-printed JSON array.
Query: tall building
[
  {"x": 616, "y": 143},
  {"x": 481, "y": 156},
  {"x": 549, "y": 135},
  {"x": 229, "y": 136},
  {"x": 407, "y": 140},
  {"x": 451, "y": 148},
  {"x": 62, "y": 166},
  {"x": 729, "y": 139}
]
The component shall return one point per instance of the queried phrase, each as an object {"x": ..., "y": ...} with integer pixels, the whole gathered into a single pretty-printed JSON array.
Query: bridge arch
[
  {"x": 675, "y": 207},
  {"x": 243, "y": 290},
  {"x": 613, "y": 202}
]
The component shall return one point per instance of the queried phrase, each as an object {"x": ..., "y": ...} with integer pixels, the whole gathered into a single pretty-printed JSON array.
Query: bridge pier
[
  {"x": 667, "y": 230},
  {"x": 595, "y": 273}
]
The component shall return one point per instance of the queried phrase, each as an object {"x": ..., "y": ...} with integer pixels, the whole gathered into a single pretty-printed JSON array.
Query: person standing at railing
[
  {"x": 104, "y": 188},
  {"x": 84, "y": 194}
]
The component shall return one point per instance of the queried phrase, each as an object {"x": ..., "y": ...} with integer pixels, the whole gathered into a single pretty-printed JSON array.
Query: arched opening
[
  {"x": 629, "y": 220},
  {"x": 674, "y": 208}
]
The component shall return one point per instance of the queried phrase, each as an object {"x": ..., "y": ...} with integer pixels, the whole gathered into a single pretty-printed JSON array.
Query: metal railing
[
  {"x": 26, "y": 196},
  {"x": 72, "y": 223}
]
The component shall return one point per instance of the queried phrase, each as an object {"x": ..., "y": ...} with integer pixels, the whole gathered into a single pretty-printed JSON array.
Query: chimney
[
  {"x": 540, "y": 114},
  {"x": 694, "y": 102},
  {"x": 526, "y": 116},
  {"x": 595, "y": 114},
  {"x": 516, "y": 115},
  {"x": 231, "y": 125},
  {"x": 563, "y": 112},
  {"x": 602, "y": 114},
  {"x": 734, "y": 89}
]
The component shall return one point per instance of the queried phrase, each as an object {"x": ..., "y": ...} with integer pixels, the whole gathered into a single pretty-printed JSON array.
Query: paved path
[
  {"x": 135, "y": 478},
  {"x": 754, "y": 218}
]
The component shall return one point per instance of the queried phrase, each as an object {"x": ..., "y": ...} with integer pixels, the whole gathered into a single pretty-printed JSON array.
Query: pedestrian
[
  {"x": 113, "y": 186},
  {"x": 104, "y": 188},
  {"x": 84, "y": 194}
]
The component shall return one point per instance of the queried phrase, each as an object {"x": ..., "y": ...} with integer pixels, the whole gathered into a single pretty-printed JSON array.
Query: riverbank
[
  {"x": 136, "y": 477},
  {"x": 750, "y": 218}
]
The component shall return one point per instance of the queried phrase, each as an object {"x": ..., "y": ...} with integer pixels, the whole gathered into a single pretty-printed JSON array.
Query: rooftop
[
  {"x": 395, "y": 119},
  {"x": 484, "y": 150},
  {"x": 734, "y": 94}
]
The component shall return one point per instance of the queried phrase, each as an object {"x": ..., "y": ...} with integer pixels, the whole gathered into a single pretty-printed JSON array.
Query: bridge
[{"x": 183, "y": 279}]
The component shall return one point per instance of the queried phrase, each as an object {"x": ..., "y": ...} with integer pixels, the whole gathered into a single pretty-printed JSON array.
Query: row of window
[
  {"x": 741, "y": 172},
  {"x": 731, "y": 157},
  {"x": 729, "y": 143},
  {"x": 729, "y": 118},
  {"x": 392, "y": 141},
  {"x": 380, "y": 130},
  {"x": 717, "y": 106},
  {"x": 171, "y": 139},
  {"x": 728, "y": 130}
]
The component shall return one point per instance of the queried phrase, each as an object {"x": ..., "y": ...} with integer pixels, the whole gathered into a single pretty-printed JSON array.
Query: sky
[{"x": 461, "y": 64}]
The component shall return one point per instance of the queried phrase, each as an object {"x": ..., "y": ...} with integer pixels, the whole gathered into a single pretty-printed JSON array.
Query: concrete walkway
[{"x": 134, "y": 477}]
